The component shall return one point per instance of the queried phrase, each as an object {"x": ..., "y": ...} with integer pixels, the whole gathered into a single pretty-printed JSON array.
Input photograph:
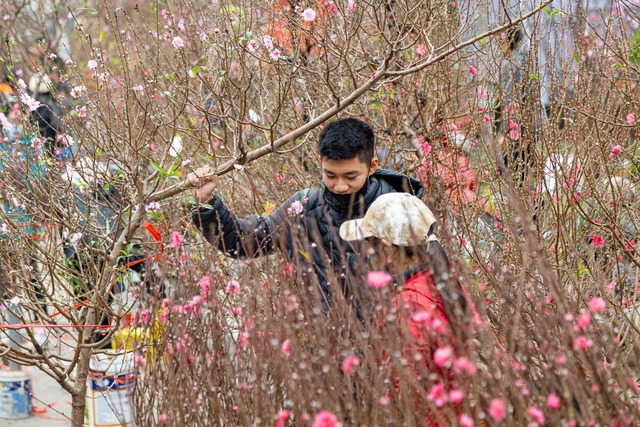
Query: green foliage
[{"x": 635, "y": 48}]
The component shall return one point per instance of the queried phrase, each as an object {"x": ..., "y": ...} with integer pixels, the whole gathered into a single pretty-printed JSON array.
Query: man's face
[{"x": 346, "y": 176}]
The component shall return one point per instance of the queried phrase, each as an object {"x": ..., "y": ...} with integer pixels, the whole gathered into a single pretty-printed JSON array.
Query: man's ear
[{"x": 375, "y": 162}]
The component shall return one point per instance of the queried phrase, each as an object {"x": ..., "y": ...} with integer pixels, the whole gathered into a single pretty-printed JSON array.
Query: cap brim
[{"x": 353, "y": 230}]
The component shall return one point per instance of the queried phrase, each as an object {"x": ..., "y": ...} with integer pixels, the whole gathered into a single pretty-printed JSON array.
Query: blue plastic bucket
[{"x": 15, "y": 395}]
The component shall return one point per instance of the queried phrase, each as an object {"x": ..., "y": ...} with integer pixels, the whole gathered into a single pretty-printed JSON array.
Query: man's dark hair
[{"x": 345, "y": 139}]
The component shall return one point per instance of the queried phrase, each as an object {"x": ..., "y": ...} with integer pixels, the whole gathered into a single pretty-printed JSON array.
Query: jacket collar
[
  {"x": 382, "y": 181},
  {"x": 353, "y": 205},
  {"x": 402, "y": 277}
]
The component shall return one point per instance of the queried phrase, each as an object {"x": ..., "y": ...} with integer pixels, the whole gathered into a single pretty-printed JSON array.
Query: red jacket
[{"x": 428, "y": 322}]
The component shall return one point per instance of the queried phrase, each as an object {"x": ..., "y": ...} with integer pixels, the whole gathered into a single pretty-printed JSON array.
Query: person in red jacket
[
  {"x": 398, "y": 236},
  {"x": 398, "y": 232}
]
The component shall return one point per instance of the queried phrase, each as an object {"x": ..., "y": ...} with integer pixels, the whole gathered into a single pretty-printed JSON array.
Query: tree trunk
[{"x": 79, "y": 397}]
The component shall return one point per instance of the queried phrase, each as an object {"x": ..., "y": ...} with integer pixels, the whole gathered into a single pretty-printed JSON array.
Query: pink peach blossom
[
  {"x": 268, "y": 42},
  {"x": 286, "y": 348},
  {"x": 462, "y": 364},
  {"x": 497, "y": 410},
  {"x": 287, "y": 269},
  {"x": 275, "y": 54},
  {"x": 378, "y": 279},
  {"x": 421, "y": 316},
  {"x": 177, "y": 42},
  {"x": 325, "y": 419},
  {"x": 205, "y": 284},
  {"x": 349, "y": 363},
  {"x": 443, "y": 357},
  {"x": 597, "y": 240},
  {"x": 75, "y": 238},
  {"x": 296, "y": 208},
  {"x": 615, "y": 151},
  {"x": 4, "y": 122},
  {"x": 32, "y": 103},
  {"x": 582, "y": 343},
  {"x": 144, "y": 316},
  {"x": 553, "y": 401},
  {"x": 536, "y": 414},
  {"x": 456, "y": 396},
  {"x": 584, "y": 320},
  {"x": 283, "y": 416},
  {"x": 176, "y": 239},
  {"x": 424, "y": 145},
  {"x": 437, "y": 395},
  {"x": 77, "y": 91},
  {"x": 309, "y": 15},
  {"x": 597, "y": 304},
  {"x": 465, "y": 420},
  {"x": 140, "y": 360},
  {"x": 233, "y": 287}
]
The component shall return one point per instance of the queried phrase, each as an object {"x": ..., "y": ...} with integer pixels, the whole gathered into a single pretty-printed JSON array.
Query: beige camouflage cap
[{"x": 399, "y": 218}]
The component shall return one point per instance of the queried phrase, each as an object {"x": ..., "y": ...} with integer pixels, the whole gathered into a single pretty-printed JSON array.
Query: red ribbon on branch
[{"x": 157, "y": 237}]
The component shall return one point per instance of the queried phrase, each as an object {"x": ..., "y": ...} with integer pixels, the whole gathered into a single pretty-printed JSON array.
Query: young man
[{"x": 309, "y": 221}]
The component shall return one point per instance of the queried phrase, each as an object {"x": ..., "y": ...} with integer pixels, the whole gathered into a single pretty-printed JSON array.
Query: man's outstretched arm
[{"x": 238, "y": 237}]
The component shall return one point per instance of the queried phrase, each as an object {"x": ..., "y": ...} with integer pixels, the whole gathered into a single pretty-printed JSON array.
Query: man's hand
[{"x": 204, "y": 182}]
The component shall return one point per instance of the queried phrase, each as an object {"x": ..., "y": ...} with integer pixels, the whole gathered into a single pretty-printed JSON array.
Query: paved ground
[{"x": 45, "y": 392}]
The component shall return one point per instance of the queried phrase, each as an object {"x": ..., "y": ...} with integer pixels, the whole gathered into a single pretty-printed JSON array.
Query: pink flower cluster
[
  {"x": 424, "y": 145},
  {"x": 325, "y": 419},
  {"x": 267, "y": 41},
  {"x": 349, "y": 363},
  {"x": 497, "y": 410},
  {"x": 176, "y": 240},
  {"x": 296, "y": 208},
  {"x": 443, "y": 357},
  {"x": 309, "y": 15},
  {"x": 597, "y": 240},
  {"x": 177, "y": 42},
  {"x": 233, "y": 287},
  {"x": 378, "y": 279}
]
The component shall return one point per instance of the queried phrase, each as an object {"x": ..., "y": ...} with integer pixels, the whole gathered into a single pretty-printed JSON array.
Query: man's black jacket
[{"x": 306, "y": 226}]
